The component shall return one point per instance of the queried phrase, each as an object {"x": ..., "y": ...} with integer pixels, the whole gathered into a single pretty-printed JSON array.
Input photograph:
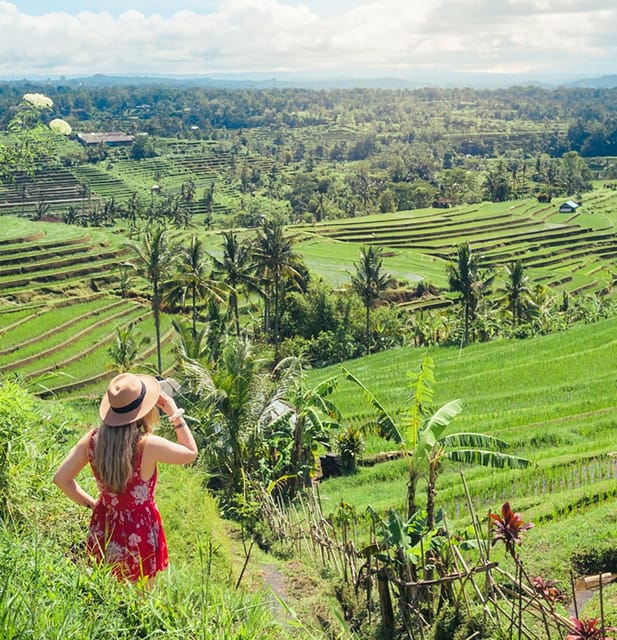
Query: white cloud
[{"x": 271, "y": 35}]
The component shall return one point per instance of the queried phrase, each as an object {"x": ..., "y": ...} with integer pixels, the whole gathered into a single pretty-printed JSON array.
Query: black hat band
[{"x": 132, "y": 405}]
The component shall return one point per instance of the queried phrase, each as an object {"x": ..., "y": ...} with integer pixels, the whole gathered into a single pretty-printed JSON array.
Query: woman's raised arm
[{"x": 69, "y": 469}]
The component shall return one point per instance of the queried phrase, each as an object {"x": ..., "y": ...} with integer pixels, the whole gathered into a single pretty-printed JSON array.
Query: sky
[{"x": 545, "y": 40}]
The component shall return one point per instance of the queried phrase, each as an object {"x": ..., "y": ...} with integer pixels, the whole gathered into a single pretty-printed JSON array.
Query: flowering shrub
[
  {"x": 549, "y": 591},
  {"x": 508, "y": 527},
  {"x": 587, "y": 630},
  {"x": 60, "y": 126},
  {"x": 39, "y": 100}
]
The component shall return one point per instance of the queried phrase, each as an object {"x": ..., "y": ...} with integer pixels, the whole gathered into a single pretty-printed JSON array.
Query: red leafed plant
[
  {"x": 508, "y": 527},
  {"x": 587, "y": 630},
  {"x": 549, "y": 590}
]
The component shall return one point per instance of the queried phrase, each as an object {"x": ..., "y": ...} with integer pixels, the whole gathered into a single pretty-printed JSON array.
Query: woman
[{"x": 125, "y": 528}]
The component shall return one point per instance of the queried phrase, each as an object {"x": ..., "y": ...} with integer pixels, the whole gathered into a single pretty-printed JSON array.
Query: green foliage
[
  {"x": 608, "y": 607},
  {"x": 46, "y": 596},
  {"x": 322, "y": 325},
  {"x": 350, "y": 445},
  {"x": 596, "y": 560},
  {"x": 126, "y": 348},
  {"x": 469, "y": 282},
  {"x": 447, "y": 622},
  {"x": 27, "y": 446},
  {"x": 143, "y": 147},
  {"x": 29, "y": 139},
  {"x": 278, "y": 267},
  {"x": 370, "y": 281},
  {"x": 12, "y": 409},
  {"x": 153, "y": 257}
]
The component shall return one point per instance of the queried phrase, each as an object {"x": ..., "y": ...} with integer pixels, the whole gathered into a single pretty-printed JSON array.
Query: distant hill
[
  {"x": 257, "y": 81},
  {"x": 415, "y": 80},
  {"x": 603, "y": 82}
]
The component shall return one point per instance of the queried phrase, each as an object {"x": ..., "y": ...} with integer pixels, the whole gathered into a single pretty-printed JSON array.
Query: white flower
[
  {"x": 39, "y": 100},
  {"x": 60, "y": 126},
  {"x": 140, "y": 493},
  {"x": 134, "y": 540},
  {"x": 114, "y": 552}
]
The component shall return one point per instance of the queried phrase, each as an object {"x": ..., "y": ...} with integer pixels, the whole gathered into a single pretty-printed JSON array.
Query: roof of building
[
  {"x": 107, "y": 137},
  {"x": 571, "y": 204}
]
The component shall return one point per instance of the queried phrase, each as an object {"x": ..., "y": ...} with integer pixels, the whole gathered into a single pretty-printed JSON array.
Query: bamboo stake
[
  {"x": 573, "y": 587},
  {"x": 601, "y": 604}
]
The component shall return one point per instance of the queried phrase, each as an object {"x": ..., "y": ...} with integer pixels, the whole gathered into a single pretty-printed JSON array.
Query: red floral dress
[{"x": 125, "y": 529}]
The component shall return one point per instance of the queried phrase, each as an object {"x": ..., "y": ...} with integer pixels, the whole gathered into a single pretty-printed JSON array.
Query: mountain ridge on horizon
[{"x": 299, "y": 81}]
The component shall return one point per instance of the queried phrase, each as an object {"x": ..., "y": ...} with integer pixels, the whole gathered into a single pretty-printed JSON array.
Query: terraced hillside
[
  {"x": 56, "y": 188},
  {"x": 552, "y": 398},
  {"x": 577, "y": 252},
  {"x": 207, "y": 164},
  {"x": 60, "y": 306}
]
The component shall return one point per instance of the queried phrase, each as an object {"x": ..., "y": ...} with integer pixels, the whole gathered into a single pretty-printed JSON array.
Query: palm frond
[
  {"x": 326, "y": 387},
  {"x": 421, "y": 384},
  {"x": 442, "y": 418},
  {"x": 385, "y": 423}
]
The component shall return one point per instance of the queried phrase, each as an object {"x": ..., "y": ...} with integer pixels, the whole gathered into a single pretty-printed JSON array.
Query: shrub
[
  {"x": 350, "y": 445},
  {"x": 16, "y": 415},
  {"x": 31, "y": 437},
  {"x": 596, "y": 560}
]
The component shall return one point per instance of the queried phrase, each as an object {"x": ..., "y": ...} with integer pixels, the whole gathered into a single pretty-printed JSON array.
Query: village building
[
  {"x": 570, "y": 206},
  {"x": 111, "y": 138}
]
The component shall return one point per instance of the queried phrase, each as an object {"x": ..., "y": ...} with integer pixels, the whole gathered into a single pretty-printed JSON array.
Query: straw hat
[{"x": 129, "y": 397}]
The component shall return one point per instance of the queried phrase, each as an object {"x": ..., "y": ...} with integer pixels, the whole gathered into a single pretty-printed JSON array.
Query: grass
[
  {"x": 333, "y": 260},
  {"x": 49, "y": 332},
  {"x": 48, "y": 590},
  {"x": 56, "y": 320}
]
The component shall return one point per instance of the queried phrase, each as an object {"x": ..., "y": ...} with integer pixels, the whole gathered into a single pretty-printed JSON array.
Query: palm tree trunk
[
  {"x": 157, "y": 324},
  {"x": 412, "y": 483},
  {"x": 368, "y": 330},
  {"x": 194, "y": 303},
  {"x": 466, "y": 322},
  {"x": 431, "y": 493},
  {"x": 296, "y": 454},
  {"x": 277, "y": 311},
  {"x": 234, "y": 305}
]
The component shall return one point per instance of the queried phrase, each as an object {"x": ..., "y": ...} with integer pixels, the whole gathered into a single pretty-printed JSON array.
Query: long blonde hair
[{"x": 115, "y": 449}]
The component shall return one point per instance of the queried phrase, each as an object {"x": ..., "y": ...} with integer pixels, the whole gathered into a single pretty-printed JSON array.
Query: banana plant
[
  {"x": 424, "y": 441},
  {"x": 308, "y": 421}
]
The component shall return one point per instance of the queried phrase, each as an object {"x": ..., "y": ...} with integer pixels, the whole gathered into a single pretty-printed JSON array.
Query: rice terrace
[{"x": 401, "y": 330}]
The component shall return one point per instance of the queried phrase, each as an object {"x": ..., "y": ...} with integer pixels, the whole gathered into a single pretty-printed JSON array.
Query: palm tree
[
  {"x": 153, "y": 255},
  {"x": 276, "y": 262},
  {"x": 464, "y": 278},
  {"x": 125, "y": 349},
  {"x": 369, "y": 282},
  {"x": 517, "y": 294},
  {"x": 189, "y": 345},
  {"x": 309, "y": 419},
  {"x": 235, "y": 269},
  {"x": 191, "y": 279},
  {"x": 423, "y": 440},
  {"x": 238, "y": 400}
]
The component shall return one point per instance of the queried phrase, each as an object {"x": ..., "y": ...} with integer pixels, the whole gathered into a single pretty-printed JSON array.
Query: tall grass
[
  {"x": 49, "y": 590},
  {"x": 47, "y": 596}
]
